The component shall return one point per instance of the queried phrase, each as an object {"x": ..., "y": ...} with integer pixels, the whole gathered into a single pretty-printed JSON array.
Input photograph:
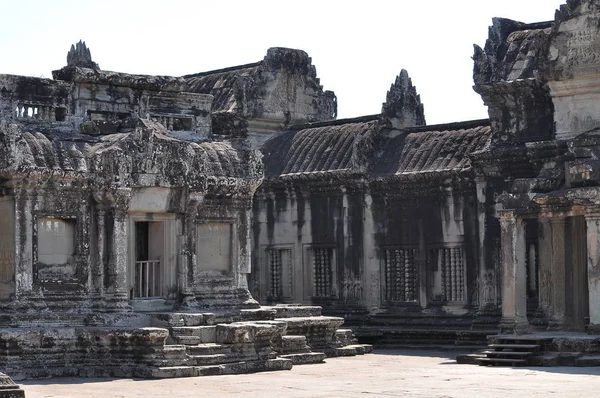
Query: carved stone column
[
  {"x": 116, "y": 276},
  {"x": 545, "y": 261},
  {"x": 514, "y": 285},
  {"x": 187, "y": 272},
  {"x": 558, "y": 273},
  {"x": 593, "y": 267},
  {"x": 372, "y": 275},
  {"x": 98, "y": 246}
]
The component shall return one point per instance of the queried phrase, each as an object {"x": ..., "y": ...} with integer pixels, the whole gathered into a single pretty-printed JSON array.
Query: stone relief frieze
[{"x": 351, "y": 289}]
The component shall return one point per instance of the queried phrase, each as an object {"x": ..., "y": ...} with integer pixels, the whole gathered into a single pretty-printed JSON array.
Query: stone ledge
[{"x": 8, "y": 388}]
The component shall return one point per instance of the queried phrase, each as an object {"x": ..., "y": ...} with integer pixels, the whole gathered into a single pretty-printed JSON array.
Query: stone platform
[
  {"x": 173, "y": 344},
  {"x": 538, "y": 349},
  {"x": 8, "y": 388}
]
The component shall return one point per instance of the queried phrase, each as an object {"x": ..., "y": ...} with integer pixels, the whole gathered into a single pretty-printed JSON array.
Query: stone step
[
  {"x": 344, "y": 333},
  {"x": 349, "y": 350},
  {"x": 294, "y": 344},
  {"x": 214, "y": 359},
  {"x": 224, "y": 369},
  {"x": 295, "y": 311},
  {"x": 257, "y": 366},
  {"x": 177, "y": 319},
  {"x": 494, "y": 354},
  {"x": 313, "y": 321},
  {"x": 161, "y": 362},
  {"x": 361, "y": 348},
  {"x": 345, "y": 336},
  {"x": 291, "y": 339},
  {"x": 208, "y": 349},
  {"x": 166, "y": 372},
  {"x": 524, "y": 347},
  {"x": 175, "y": 353},
  {"x": 207, "y": 334},
  {"x": 469, "y": 359},
  {"x": 258, "y": 314},
  {"x": 187, "y": 340},
  {"x": 501, "y": 361},
  {"x": 305, "y": 358},
  {"x": 588, "y": 360}
]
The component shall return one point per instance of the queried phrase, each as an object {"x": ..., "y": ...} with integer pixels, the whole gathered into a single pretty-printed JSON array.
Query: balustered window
[
  {"x": 322, "y": 271},
  {"x": 453, "y": 273},
  {"x": 401, "y": 275},
  {"x": 279, "y": 265},
  {"x": 40, "y": 112}
]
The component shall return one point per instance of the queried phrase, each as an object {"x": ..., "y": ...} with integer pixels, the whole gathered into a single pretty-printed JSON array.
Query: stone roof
[
  {"x": 86, "y": 75},
  {"x": 359, "y": 146},
  {"x": 221, "y": 84},
  {"x": 282, "y": 86},
  {"x": 139, "y": 156},
  {"x": 333, "y": 147},
  {"x": 514, "y": 50},
  {"x": 433, "y": 149},
  {"x": 525, "y": 53}
]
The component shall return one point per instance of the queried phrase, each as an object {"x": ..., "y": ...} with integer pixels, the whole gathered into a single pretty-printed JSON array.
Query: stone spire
[
  {"x": 403, "y": 105},
  {"x": 80, "y": 55}
]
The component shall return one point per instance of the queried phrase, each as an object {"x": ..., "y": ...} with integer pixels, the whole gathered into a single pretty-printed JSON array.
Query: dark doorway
[{"x": 576, "y": 278}]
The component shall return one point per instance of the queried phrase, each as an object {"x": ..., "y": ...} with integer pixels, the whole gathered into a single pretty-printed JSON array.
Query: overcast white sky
[{"x": 358, "y": 47}]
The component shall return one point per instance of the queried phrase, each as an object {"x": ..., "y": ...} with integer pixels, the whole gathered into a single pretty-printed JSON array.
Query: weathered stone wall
[
  {"x": 74, "y": 185},
  {"x": 262, "y": 99},
  {"x": 299, "y": 220}
]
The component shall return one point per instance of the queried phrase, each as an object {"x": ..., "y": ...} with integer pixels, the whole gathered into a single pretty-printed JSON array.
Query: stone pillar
[
  {"x": 97, "y": 267},
  {"x": 558, "y": 275},
  {"x": 119, "y": 256},
  {"x": 372, "y": 274},
  {"x": 593, "y": 267},
  {"x": 23, "y": 233},
  {"x": 514, "y": 285},
  {"x": 545, "y": 261},
  {"x": 119, "y": 244}
]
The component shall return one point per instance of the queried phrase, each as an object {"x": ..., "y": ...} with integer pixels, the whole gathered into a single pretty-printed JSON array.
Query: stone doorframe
[
  {"x": 554, "y": 271},
  {"x": 168, "y": 260}
]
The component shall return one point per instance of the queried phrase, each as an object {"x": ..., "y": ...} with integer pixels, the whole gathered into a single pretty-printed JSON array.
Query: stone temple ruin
[
  {"x": 144, "y": 218},
  {"x": 447, "y": 234},
  {"x": 126, "y": 206}
]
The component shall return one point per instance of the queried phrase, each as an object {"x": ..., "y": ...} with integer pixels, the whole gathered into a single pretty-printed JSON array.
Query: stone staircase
[
  {"x": 513, "y": 353},
  {"x": 171, "y": 344},
  {"x": 542, "y": 349},
  {"x": 226, "y": 343},
  {"x": 507, "y": 350}
]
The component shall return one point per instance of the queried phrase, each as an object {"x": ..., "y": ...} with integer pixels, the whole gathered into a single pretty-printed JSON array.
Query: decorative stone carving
[
  {"x": 403, "y": 105},
  {"x": 351, "y": 289},
  {"x": 80, "y": 56},
  {"x": 401, "y": 275}
]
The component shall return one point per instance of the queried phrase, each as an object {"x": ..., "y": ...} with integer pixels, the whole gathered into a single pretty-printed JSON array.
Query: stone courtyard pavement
[{"x": 386, "y": 373}]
